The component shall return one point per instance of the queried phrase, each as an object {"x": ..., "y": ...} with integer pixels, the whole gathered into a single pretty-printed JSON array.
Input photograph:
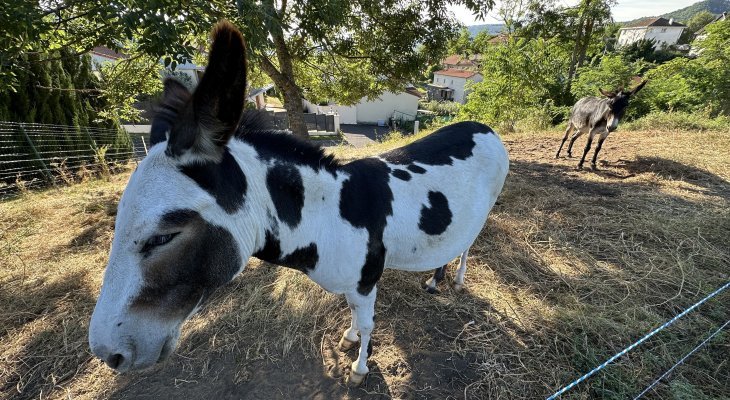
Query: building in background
[
  {"x": 379, "y": 111},
  {"x": 451, "y": 84},
  {"x": 664, "y": 32}
]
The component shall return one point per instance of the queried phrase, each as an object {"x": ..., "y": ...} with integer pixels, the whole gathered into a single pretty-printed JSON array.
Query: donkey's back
[{"x": 443, "y": 186}]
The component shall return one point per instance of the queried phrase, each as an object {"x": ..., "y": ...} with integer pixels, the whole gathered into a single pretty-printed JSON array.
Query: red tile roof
[
  {"x": 456, "y": 73},
  {"x": 646, "y": 22},
  {"x": 108, "y": 53}
]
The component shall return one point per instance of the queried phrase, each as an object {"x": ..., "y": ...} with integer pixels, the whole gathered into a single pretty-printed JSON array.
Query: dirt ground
[{"x": 571, "y": 267}]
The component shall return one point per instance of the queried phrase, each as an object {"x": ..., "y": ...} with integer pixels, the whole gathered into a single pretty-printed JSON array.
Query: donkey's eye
[{"x": 158, "y": 240}]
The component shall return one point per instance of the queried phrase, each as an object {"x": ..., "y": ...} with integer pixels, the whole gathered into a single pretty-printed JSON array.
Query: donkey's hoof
[
  {"x": 593, "y": 167},
  {"x": 579, "y": 168},
  {"x": 346, "y": 345},
  {"x": 432, "y": 290},
  {"x": 355, "y": 379},
  {"x": 458, "y": 287}
]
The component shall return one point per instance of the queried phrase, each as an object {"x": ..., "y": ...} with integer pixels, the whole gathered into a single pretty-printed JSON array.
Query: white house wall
[
  {"x": 458, "y": 84},
  {"x": 660, "y": 34},
  {"x": 669, "y": 35},
  {"x": 382, "y": 108}
]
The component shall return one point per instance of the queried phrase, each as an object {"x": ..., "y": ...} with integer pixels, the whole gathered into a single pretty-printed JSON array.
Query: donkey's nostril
[{"x": 114, "y": 361}]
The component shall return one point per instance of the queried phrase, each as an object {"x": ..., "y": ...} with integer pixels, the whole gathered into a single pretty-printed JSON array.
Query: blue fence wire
[
  {"x": 669, "y": 371},
  {"x": 638, "y": 342}
]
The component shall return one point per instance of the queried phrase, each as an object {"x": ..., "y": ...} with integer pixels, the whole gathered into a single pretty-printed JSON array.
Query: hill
[
  {"x": 684, "y": 14},
  {"x": 713, "y": 6},
  {"x": 493, "y": 29}
]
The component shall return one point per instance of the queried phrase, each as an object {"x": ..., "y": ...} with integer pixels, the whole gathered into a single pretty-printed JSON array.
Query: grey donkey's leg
[
  {"x": 567, "y": 132},
  {"x": 578, "y": 133},
  {"x": 585, "y": 151},
  {"x": 603, "y": 137}
]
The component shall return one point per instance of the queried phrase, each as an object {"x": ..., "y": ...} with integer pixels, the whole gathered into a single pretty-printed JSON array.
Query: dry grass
[{"x": 571, "y": 267}]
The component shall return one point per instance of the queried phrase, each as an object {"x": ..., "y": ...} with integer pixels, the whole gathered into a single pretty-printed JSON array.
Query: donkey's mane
[{"x": 256, "y": 129}]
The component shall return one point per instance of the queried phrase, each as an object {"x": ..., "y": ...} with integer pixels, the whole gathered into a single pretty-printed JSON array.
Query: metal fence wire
[{"x": 38, "y": 155}]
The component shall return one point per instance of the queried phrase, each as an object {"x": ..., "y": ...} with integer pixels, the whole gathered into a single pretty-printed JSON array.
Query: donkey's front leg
[{"x": 364, "y": 313}]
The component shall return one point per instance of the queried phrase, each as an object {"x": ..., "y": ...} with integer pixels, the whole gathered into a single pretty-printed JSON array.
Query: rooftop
[
  {"x": 456, "y": 73},
  {"x": 655, "y": 21}
]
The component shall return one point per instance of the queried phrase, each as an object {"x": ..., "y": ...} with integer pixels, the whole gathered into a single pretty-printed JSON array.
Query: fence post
[
  {"x": 144, "y": 145},
  {"x": 415, "y": 127},
  {"x": 337, "y": 123},
  {"x": 45, "y": 170}
]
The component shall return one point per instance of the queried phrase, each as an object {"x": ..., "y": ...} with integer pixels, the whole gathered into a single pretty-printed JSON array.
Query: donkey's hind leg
[
  {"x": 438, "y": 276},
  {"x": 459, "y": 279},
  {"x": 567, "y": 132}
]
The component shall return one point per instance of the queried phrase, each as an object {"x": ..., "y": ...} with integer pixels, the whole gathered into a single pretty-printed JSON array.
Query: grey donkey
[{"x": 596, "y": 115}]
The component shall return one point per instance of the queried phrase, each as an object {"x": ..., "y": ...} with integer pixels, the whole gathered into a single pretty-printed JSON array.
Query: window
[
  {"x": 452, "y": 81},
  {"x": 664, "y": 30}
]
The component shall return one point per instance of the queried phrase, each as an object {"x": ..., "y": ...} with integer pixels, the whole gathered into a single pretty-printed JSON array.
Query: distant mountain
[
  {"x": 713, "y": 6},
  {"x": 684, "y": 14},
  {"x": 492, "y": 29}
]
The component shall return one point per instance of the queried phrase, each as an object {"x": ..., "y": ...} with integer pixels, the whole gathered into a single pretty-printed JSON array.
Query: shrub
[{"x": 679, "y": 121}]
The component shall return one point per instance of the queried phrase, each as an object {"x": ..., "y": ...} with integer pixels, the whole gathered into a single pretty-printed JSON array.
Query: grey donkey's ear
[
  {"x": 206, "y": 122},
  {"x": 639, "y": 86},
  {"x": 607, "y": 94}
]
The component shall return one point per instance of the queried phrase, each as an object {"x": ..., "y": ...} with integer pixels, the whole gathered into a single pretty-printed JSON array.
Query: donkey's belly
[{"x": 438, "y": 214}]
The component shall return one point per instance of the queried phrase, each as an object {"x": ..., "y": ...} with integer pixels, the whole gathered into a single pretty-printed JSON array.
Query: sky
[{"x": 625, "y": 10}]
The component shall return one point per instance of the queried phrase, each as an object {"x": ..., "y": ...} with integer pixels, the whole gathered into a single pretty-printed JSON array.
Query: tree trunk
[
  {"x": 283, "y": 76},
  {"x": 292, "y": 97},
  {"x": 295, "y": 110}
]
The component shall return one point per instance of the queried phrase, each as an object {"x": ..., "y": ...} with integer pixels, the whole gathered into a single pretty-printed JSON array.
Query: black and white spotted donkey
[
  {"x": 595, "y": 115},
  {"x": 217, "y": 188}
]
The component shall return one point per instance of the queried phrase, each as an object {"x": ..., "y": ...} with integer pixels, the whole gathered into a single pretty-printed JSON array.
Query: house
[
  {"x": 402, "y": 106},
  {"x": 500, "y": 39},
  {"x": 664, "y": 32},
  {"x": 256, "y": 96},
  {"x": 456, "y": 61},
  {"x": 100, "y": 55},
  {"x": 188, "y": 73},
  {"x": 451, "y": 84},
  {"x": 702, "y": 34}
]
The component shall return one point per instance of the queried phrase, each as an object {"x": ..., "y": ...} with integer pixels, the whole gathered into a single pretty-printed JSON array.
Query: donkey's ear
[
  {"x": 210, "y": 119},
  {"x": 174, "y": 97},
  {"x": 607, "y": 94},
  {"x": 639, "y": 86}
]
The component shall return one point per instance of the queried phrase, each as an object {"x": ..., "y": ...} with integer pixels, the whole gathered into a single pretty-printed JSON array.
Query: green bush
[
  {"x": 440, "y": 107},
  {"x": 522, "y": 80},
  {"x": 679, "y": 121}
]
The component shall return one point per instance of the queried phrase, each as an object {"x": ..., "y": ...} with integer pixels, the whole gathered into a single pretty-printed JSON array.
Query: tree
[
  {"x": 366, "y": 46},
  {"x": 583, "y": 28},
  {"x": 695, "y": 24},
  {"x": 522, "y": 79},
  {"x": 481, "y": 42},
  {"x": 462, "y": 44},
  {"x": 339, "y": 41}
]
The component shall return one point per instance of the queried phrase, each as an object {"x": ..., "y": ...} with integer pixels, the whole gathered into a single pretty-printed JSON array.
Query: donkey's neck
[{"x": 283, "y": 188}]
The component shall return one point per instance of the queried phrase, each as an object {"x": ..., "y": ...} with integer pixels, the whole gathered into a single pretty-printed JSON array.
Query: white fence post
[
  {"x": 337, "y": 123},
  {"x": 415, "y": 127}
]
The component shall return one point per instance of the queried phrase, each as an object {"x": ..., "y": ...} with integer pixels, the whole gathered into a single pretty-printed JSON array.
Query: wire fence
[{"x": 41, "y": 155}]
